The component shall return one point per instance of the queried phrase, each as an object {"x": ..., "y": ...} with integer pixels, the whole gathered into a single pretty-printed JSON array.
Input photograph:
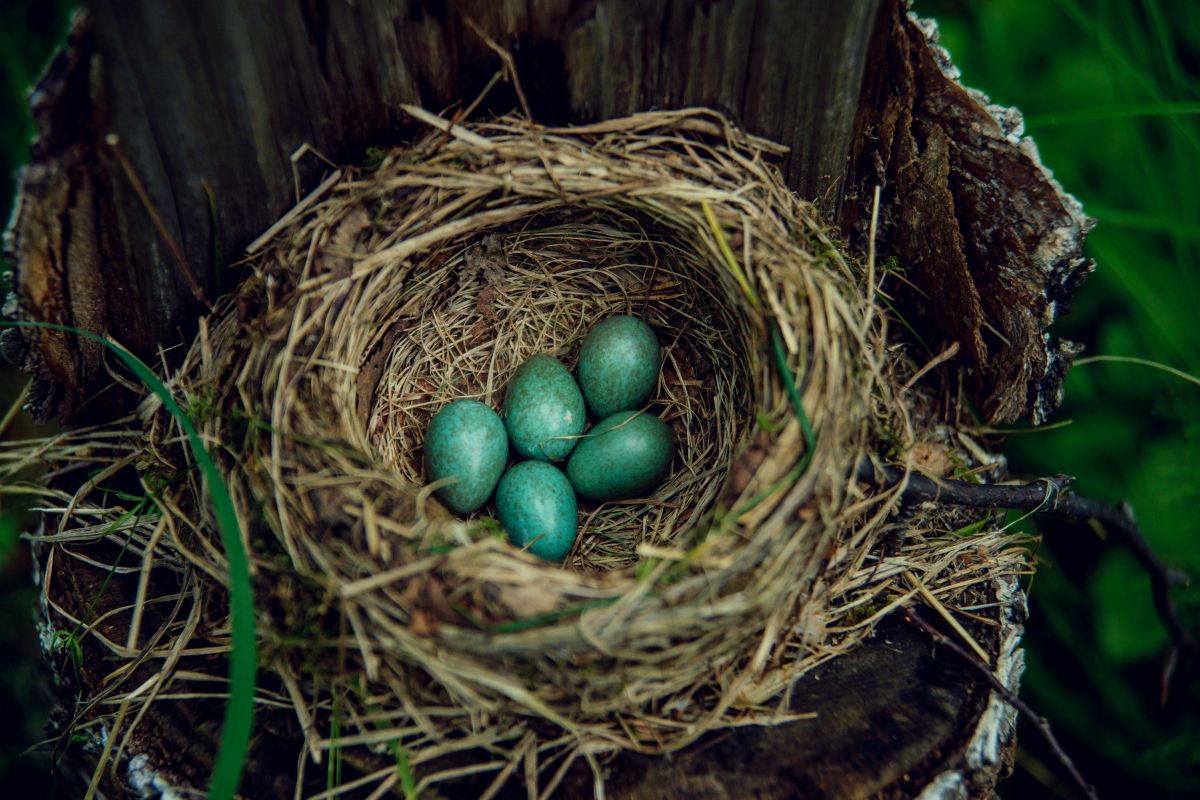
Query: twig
[
  {"x": 1051, "y": 496},
  {"x": 933, "y": 603},
  {"x": 1045, "y": 494},
  {"x": 114, "y": 143},
  {"x": 294, "y": 212},
  {"x": 911, "y": 615},
  {"x": 1119, "y": 521},
  {"x": 447, "y": 127},
  {"x": 514, "y": 77}
]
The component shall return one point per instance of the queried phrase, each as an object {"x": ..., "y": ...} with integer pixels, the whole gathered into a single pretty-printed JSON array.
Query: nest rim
[
  {"x": 732, "y": 591},
  {"x": 721, "y": 625}
]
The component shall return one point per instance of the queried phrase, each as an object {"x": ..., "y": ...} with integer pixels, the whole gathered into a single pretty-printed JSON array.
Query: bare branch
[
  {"x": 1052, "y": 496},
  {"x": 1039, "y": 722}
]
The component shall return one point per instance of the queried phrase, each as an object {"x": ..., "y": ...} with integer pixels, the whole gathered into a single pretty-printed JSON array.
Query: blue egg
[
  {"x": 465, "y": 441},
  {"x": 626, "y": 455},
  {"x": 543, "y": 410},
  {"x": 536, "y": 505},
  {"x": 618, "y": 365}
]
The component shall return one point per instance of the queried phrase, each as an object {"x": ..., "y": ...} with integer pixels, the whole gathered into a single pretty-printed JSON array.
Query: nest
[{"x": 431, "y": 275}]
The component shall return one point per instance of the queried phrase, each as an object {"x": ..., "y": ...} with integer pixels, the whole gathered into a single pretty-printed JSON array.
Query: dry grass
[
  {"x": 433, "y": 277},
  {"x": 538, "y": 289}
]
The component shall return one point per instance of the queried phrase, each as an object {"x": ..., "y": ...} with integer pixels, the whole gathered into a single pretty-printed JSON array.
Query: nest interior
[
  {"x": 432, "y": 276},
  {"x": 537, "y": 289}
]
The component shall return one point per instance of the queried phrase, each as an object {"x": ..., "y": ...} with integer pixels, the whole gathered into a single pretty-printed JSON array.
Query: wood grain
[{"x": 224, "y": 92}]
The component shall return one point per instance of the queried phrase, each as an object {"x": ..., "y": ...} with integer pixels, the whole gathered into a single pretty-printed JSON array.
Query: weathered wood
[
  {"x": 897, "y": 717},
  {"x": 990, "y": 241},
  {"x": 222, "y": 93},
  {"x": 991, "y": 244}
]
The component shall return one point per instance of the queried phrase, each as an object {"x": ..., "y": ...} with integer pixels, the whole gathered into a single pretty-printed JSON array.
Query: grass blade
[
  {"x": 1136, "y": 220},
  {"x": 810, "y": 439},
  {"x": 1116, "y": 53},
  {"x": 735, "y": 269},
  {"x": 1141, "y": 362},
  {"x": 239, "y": 711},
  {"x": 789, "y": 383},
  {"x": 1104, "y": 113}
]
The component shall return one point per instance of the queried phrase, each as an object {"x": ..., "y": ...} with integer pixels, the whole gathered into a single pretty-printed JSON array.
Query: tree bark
[
  {"x": 166, "y": 131},
  {"x": 220, "y": 94},
  {"x": 165, "y": 136}
]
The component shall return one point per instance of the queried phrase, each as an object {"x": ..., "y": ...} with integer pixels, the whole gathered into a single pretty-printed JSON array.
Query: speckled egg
[
  {"x": 626, "y": 455},
  {"x": 618, "y": 365},
  {"x": 543, "y": 410},
  {"x": 536, "y": 506},
  {"x": 466, "y": 441}
]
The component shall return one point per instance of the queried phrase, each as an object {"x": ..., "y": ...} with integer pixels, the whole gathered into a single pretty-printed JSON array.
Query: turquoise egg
[
  {"x": 543, "y": 410},
  {"x": 618, "y": 366},
  {"x": 466, "y": 441},
  {"x": 536, "y": 505},
  {"x": 626, "y": 455}
]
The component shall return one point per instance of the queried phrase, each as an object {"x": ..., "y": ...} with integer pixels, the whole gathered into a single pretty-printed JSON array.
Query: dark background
[
  {"x": 1111, "y": 92},
  {"x": 29, "y": 32}
]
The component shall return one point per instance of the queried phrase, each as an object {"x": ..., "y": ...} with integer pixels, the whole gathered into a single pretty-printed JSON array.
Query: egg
[
  {"x": 536, "y": 505},
  {"x": 465, "y": 441},
  {"x": 543, "y": 410},
  {"x": 626, "y": 455},
  {"x": 618, "y": 365}
]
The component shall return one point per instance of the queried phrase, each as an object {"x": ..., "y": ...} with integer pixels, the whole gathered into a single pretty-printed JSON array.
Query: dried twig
[
  {"x": 911, "y": 615},
  {"x": 1052, "y": 496},
  {"x": 139, "y": 188}
]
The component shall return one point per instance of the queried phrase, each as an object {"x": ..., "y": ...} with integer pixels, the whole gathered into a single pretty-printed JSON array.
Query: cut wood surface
[{"x": 165, "y": 136}]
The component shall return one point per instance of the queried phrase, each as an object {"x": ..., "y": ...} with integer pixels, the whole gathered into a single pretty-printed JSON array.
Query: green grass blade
[
  {"x": 810, "y": 439},
  {"x": 1157, "y": 315},
  {"x": 408, "y": 782},
  {"x": 1141, "y": 362},
  {"x": 333, "y": 773},
  {"x": 1137, "y": 220},
  {"x": 1115, "y": 52},
  {"x": 731, "y": 261},
  {"x": 789, "y": 383},
  {"x": 239, "y": 711},
  {"x": 1105, "y": 113},
  {"x": 214, "y": 222},
  {"x": 1165, "y": 45}
]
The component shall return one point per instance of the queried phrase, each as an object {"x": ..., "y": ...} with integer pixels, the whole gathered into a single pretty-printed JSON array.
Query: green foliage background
[
  {"x": 1111, "y": 92},
  {"x": 1109, "y": 89}
]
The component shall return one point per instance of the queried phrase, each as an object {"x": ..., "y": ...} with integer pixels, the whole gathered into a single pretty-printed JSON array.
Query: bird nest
[{"x": 431, "y": 275}]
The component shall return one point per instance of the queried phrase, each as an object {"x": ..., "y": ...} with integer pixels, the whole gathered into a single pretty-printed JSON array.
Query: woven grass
[{"x": 431, "y": 276}]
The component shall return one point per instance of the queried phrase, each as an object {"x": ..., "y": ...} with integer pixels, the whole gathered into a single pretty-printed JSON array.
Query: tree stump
[{"x": 165, "y": 136}]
